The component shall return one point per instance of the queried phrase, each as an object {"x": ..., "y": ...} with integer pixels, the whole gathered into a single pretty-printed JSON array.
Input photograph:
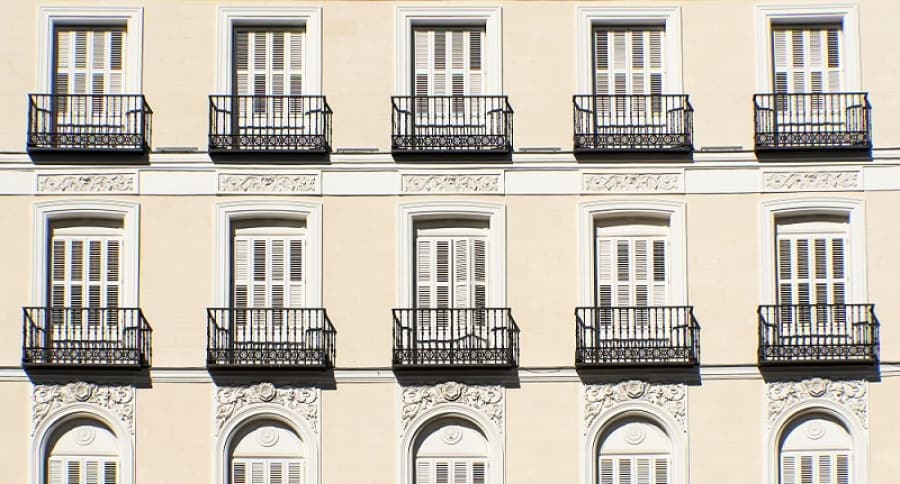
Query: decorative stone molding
[
  {"x": 632, "y": 182},
  {"x": 87, "y": 183},
  {"x": 811, "y": 180},
  {"x": 451, "y": 183},
  {"x": 485, "y": 399},
  {"x": 46, "y": 400},
  {"x": 601, "y": 399},
  {"x": 302, "y": 401},
  {"x": 851, "y": 394},
  {"x": 245, "y": 183}
]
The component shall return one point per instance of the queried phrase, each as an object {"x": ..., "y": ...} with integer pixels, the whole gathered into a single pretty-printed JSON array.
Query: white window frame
[
  {"x": 131, "y": 18},
  {"x": 409, "y": 17},
  {"x": 495, "y": 216},
  {"x": 859, "y": 460},
  {"x": 310, "y": 18},
  {"x": 845, "y": 14},
  {"x": 669, "y": 17},
  {"x": 677, "y": 249},
  {"x": 46, "y": 213},
  {"x": 855, "y": 252},
  {"x": 309, "y": 213}
]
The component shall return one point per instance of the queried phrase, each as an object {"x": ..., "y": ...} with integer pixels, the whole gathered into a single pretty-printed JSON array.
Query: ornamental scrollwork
[
  {"x": 485, "y": 399},
  {"x": 850, "y": 394},
  {"x": 301, "y": 401},
  {"x": 46, "y": 400},
  {"x": 451, "y": 183},
  {"x": 601, "y": 399},
  {"x": 87, "y": 183},
  {"x": 631, "y": 182},
  {"x": 811, "y": 180},
  {"x": 233, "y": 183}
]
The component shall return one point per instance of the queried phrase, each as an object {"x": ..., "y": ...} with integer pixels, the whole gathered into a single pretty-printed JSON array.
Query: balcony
[
  {"x": 269, "y": 124},
  {"x": 454, "y": 338},
  {"x": 451, "y": 124},
  {"x": 85, "y": 337},
  {"x": 269, "y": 338},
  {"x": 633, "y": 123},
  {"x": 88, "y": 122},
  {"x": 660, "y": 336},
  {"x": 818, "y": 333},
  {"x": 813, "y": 121}
]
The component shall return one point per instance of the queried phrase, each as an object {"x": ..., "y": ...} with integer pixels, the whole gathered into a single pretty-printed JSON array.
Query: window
[
  {"x": 634, "y": 452},
  {"x": 83, "y": 452},
  {"x": 815, "y": 450},
  {"x": 807, "y": 58},
  {"x": 629, "y": 60},
  {"x": 451, "y": 266},
  {"x": 448, "y": 61},
  {"x": 630, "y": 262},
  {"x": 268, "y": 265},
  {"x": 451, "y": 451},
  {"x": 267, "y": 453},
  {"x": 811, "y": 260},
  {"x": 89, "y": 60}
]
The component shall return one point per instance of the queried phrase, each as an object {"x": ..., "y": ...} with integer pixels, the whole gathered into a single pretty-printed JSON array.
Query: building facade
[{"x": 449, "y": 242}]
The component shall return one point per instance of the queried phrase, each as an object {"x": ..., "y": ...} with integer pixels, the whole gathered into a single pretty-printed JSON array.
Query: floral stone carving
[
  {"x": 302, "y": 401},
  {"x": 850, "y": 394},
  {"x": 267, "y": 183},
  {"x": 451, "y": 183},
  {"x": 631, "y": 182},
  {"x": 486, "y": 399},
  {"x": 87, "y": 183},
  {"x": 49, "y": 399},
  {"x": 811, "y": 180},
  {"x": 600, "y": 399}
]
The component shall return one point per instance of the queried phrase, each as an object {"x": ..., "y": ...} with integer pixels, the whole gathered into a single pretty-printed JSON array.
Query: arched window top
[
  {"x": 451, "y": 437},
  {"x": 82, "y": 437},
  {"x": 267, "y": 439},
  {"x": 635, "y": 436},
  {"x": 815, "y": 433}
]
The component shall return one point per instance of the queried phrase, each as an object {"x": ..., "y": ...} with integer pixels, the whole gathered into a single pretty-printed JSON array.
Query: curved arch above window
[
  {"x": 815, "y": 449},
  {"x": 633, "y": 450},
  {"x": 266, "y": 452}
]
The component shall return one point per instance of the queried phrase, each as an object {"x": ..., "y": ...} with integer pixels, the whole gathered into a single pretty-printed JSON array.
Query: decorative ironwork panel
[
  {"x": 269, "y": 338},
  {"x": 633, "y": 122},
  {"x": 813, "y": 121},
  {"x": 636, "y": 336},
  {"x": 269, "y": 123},
  {"x": 451, "y": 124},
  {"x": 75, "y": 336},
  {"x": 452, "y": 337},
  {"x": 104, "y": 122},
  {"x": 818, "y": 333}
]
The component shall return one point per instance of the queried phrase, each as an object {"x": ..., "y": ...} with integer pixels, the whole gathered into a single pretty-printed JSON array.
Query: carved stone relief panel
[
  {"x": 850, "y": 394},
  {"x": 485, "y": 399},
  {"x": 810, "y": 180},
  {"x": 451, "y": 183},
  {"x": 273, "y": 183},
  {"x": 300, "y": 401},
  {"x": 599, "y": 400},
  {"x": 46, "y": 400},
  {"x": 88, "y": 183},
  {"x": 632, "y": 182}
]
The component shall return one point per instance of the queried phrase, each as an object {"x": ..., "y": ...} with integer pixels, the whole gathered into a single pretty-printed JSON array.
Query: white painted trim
[
  {"x": 855, "y": 210},
  {"x": 496, "y": 444},
  {"x": 308, "y": 17},
  {"x": 309, "y": 212},
  {"x": 493, "y": 213},
  {"x": 670, "y": 16},
  {"x": 311, "y": 440},
  {"x": 490, "y": 17},
  {"x": 131, "y": 17},
  {"x": 629, "y": 410},
  {"x": 47, "y": 212},
  {"x": 859, "y": 435},
  {"x": 41, "y": 441},
  {"x": 674, "y": 212},
  {"x": 846, "y": 14}
]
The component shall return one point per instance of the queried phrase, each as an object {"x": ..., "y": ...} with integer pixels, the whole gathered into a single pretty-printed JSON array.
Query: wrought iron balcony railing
[
  {"x": 813, "y": 121},
  {"x": 457, "y": 337},
  {"x": 97, "y": 122},
  {"x": 636, "y": 336},
  {"x": 269, "y": 123},
  {"x": 451, "y": 124},
  {"x": 818, "y": 333},
  {"x": 269, "y": 338},
  {"x": 633, "y": 122},
  {"x": 74, "y": 336}
]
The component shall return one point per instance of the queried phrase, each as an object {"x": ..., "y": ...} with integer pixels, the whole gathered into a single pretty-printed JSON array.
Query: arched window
[
  {"x": 634, "y": 451},
  {"x": 451, "y": 451},
  {"x": 266, "y": 452},
  {"x": 815, "y": 449},
  {"x": 83, "y": 451}
]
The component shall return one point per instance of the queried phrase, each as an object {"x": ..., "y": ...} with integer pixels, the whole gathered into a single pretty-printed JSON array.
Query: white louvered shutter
[
  {"x": 82, "y": 470},
  {"x": 89, "y": 61},
  {"x": 266, "y": 471},
  {"x": 269, "y": 271},
  {"x": 628, "y": 60},
  {"x": 451, "y": 271},
  {"x": 269, "y": 63},
  {"x": 451, "y": 471},
  {"x": 448, "y": 62},
  {"x": 631, "y": 271},
  {"x": 815, "y": 468},
  {"x": 633, "y": 469},
  {"x": 807, "y": 59}
]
